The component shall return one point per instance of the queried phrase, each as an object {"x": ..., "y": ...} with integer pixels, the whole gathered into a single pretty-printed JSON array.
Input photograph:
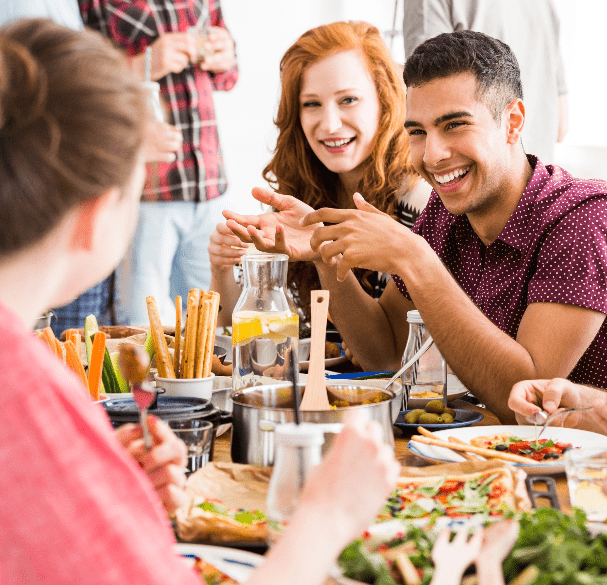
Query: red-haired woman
[{"x": 341, "y": 129}]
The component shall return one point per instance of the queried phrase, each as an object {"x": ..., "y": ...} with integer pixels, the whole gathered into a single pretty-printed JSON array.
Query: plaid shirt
[{"x": 198, "y": 174}]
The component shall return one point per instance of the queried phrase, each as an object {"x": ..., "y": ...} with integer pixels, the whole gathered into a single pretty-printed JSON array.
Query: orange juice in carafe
[{"x": 265, "y": 328}]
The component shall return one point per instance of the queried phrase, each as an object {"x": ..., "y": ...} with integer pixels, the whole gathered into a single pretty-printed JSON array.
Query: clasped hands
[{"x": 345, "y": 238}]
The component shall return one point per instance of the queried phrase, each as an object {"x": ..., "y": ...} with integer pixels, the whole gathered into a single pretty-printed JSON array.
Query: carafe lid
[
  {"x": 299, "y": 435},
  {"x": 414, "y": 317}
]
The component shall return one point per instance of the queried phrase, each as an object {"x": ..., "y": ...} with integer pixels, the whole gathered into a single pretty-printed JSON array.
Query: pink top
[
  {"x": 75, "y": 507},
  {"x": 552, "y": 250}
]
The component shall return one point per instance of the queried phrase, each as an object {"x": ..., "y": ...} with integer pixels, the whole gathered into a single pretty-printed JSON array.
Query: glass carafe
[
  {"x": 429, "y": 372},
  {"x": 265, "y": 326}
]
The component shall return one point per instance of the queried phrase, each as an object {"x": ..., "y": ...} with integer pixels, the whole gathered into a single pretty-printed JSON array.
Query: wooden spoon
[{"x": 315, "y": 396}]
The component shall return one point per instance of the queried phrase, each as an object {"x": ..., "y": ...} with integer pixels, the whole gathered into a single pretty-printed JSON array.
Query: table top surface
[{"x": 407, "y": 458}]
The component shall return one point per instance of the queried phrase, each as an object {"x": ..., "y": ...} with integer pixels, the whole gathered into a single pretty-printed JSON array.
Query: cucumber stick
[
  {"x": 108, "y": 375},
  {"x": 122, "y": 383}
]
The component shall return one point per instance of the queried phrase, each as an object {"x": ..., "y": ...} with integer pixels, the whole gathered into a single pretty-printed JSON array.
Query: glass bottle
[
  {"x": 297, "y": 451},
  {"x": 429, "y": 372},
  {"x": 265, "y": 326}
]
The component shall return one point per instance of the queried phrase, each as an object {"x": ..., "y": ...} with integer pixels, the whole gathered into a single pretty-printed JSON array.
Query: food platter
[
  {"x": 463, "y": 418},
  {"x": 225, "y": 341},
  {"x": 576, "y": 437},
  {"x": 237, "y": 564}
]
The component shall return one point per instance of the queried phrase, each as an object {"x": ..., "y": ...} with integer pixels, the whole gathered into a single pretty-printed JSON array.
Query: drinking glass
[{"x": 586, "y": 471}]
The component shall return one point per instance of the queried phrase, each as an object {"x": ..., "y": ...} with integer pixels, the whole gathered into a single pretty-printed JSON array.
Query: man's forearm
[
  {"x": 485, "y": 359},
  {"x": 361, "y": 321}
]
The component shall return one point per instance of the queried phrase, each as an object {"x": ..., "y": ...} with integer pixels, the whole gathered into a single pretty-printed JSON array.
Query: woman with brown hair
[
  {"x": 76, "y": 507},
  {"x": 341, "y": 129}
]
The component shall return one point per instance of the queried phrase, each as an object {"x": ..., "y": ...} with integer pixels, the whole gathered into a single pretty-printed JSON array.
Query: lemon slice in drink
[{"x": 249, "y": 325}]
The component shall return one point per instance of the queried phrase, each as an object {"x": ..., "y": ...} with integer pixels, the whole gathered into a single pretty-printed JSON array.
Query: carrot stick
[
  {"x": 96, "y": 365},
  {"x": 72, "y": 358},
  {"x": 50, "y": 338}
]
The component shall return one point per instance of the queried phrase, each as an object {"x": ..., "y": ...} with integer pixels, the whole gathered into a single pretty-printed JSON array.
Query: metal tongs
[{"x": 544, "y": 419}]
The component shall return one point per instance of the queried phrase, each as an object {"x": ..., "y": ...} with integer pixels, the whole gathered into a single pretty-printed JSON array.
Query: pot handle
[{"x": 224, "y": 417}]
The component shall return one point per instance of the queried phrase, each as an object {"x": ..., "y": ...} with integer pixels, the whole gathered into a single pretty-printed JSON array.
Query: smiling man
[{"x": 508, "y": 263}]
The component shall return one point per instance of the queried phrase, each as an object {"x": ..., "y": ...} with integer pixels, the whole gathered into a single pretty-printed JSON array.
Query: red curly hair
[{"x": 296, "y": 170}]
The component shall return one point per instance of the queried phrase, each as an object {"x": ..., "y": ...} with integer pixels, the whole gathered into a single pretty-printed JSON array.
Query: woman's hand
[
  {"x": 225, "y": 249},
  {"x": 164, "y": 463},
  {"x": 277, "y": 232},
  {"x": 498, "y": 540},
  {"x": 354, "y": 478},
  {"x": 451, "y": 559}
]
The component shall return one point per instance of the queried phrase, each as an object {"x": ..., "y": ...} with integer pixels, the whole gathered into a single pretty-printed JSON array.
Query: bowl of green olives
[{"x": 436, "y": 416}]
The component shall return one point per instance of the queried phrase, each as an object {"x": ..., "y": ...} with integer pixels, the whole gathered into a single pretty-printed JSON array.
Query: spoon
[
  {"x": 420, "y": 352},
  {"x": 134, "y": 361},
  {"x": 315, "y": 396}
]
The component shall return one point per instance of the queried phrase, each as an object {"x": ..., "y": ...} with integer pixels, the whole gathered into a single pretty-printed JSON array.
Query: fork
[{"x": 542, "y": 417}]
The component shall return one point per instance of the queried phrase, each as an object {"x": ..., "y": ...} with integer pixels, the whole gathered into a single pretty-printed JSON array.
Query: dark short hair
[{"x": 490, "y": 60}]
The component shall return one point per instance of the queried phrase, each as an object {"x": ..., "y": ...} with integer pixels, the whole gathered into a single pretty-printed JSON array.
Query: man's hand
[
  {"x": 365, "y": 237},
  {"x": 172, "y": 52},
  {"x": 162, "y": 141},
  {"x": 219, "y": 49},
  {"x": 277, "y": 232},
  {"x": 164, "y": 463}
]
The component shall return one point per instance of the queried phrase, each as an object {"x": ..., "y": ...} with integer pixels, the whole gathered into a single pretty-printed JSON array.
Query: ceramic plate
[
  {"x": 463, "y": 418},
  {"x": 237, "y": 564},
  {"x": 576, "y": 437}
]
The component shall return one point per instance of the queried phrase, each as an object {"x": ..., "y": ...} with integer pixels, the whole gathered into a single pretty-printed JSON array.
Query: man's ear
[
  {"x": 515, "y": 120},
  {"x": 88, "y": 223}
]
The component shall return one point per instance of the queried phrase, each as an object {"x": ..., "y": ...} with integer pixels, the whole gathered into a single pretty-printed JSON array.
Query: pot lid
[{"x": 167, "y": 408}]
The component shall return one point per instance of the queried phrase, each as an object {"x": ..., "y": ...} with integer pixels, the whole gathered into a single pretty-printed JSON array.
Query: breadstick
[
  {"x": 204, "y": 312},
  {"x": 191, "y": 321},
  {"x": 489, "y": 453},
  {"x": 177, "y": 350},
  {"x": 468, "y": 456},
  {"x": 161, "y": 349},
  {"x": 212, "y": 326},
  {"x": 465, "y": 455}
]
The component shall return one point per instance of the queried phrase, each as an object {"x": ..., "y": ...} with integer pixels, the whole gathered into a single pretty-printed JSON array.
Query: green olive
[
  {"x": 412, "y": 416},
  {"x": 435, "y": 406},
  {"x": 450, "y": 411},
  {"x": 428, "y": 418},
  {"x": 446, "y": 418}
]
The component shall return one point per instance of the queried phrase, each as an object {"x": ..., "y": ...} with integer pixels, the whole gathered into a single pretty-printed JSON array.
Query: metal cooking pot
[{"x": 257, "y": 410}]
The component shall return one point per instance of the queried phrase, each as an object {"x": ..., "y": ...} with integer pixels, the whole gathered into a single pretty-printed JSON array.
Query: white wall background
[{"x": 264, "y": 29}]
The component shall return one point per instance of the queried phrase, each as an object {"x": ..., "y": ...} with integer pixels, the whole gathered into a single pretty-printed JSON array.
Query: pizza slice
[
  {"x": 484, "y": 487},
  {"x": 211, "y": 520},
  {"x": 536, "y": 450},
  {"x": 210, "y": 575}
]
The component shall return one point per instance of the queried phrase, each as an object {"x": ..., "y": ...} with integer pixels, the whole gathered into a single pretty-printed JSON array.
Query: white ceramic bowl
[{"x": 191, "y": 387}]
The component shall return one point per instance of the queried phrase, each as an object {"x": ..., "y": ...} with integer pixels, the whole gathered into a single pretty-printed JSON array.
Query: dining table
[{"x": 409, "y": 459}]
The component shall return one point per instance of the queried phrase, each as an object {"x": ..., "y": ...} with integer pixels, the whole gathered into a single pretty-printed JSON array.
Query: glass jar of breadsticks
[{"x": 265, "y": 326}]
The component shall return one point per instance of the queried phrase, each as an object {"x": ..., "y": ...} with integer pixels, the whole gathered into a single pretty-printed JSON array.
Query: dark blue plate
[{"x": 463, "y": 418}]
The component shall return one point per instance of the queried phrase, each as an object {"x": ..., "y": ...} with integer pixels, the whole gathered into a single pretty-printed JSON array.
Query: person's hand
[
  {"x": 354, "y": 478},
  {"x": 219, "y": 49},
  {"x": 161, "y": 142},
  {"x": 225, "y": 249},
  {"x": 364, "y": 237},
  {"x": 277, "y": 232},
  {"x": 172, "y": 52},
  {"x": 164, "y": 463},
  {"x": 451, "y": 559},
  {"x": 531, "y": 396},
  {"x": 498, "y": 540}
]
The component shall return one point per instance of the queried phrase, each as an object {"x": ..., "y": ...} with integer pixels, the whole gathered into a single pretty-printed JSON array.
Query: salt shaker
[{"x": 298, "y": 450}]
